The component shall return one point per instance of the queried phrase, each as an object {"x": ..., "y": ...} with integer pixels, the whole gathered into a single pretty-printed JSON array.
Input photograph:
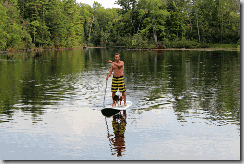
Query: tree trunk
[
  {"x": 90, "y": 30},
  {"x": 155, "y": 34},
  {"x": 199, "y": 39},
  {"x": 23, "y": 11},
  {"x": 42, "y": 22},
  {"x": 190, "y": 23},
  {"x": 222, "y": 29},
  {"x": 154, "y": 28}
]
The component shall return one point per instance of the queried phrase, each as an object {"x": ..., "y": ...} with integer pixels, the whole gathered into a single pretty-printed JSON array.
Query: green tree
[
  {"x": 86, "y": 18},
  {"x": 142, "y": 23},
  {"x": 129, "y": 9},
  {"x": 13, "y": 35},
  {"x": 3, "y": 25},
  {"x": 151, "y": 19},
  {"x": 174, "y": 24},
  {"x": 56, "y": 22}
]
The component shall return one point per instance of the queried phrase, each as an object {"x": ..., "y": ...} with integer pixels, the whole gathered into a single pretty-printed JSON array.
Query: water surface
[{"x": 186, "y": 106}]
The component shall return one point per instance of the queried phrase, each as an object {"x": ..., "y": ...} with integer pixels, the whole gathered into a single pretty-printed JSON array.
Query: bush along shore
[
  {"x": 183, "y": 44},
  {"x": 38, "y": 49},
  {"x": 157, "y": 48}
]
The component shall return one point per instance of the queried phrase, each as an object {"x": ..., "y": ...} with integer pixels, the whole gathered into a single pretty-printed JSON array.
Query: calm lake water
[{"x": 186, "y": 106}]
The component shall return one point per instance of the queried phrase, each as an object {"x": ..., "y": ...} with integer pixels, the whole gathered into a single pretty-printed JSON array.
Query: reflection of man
[{"x": 119, "y": 130}]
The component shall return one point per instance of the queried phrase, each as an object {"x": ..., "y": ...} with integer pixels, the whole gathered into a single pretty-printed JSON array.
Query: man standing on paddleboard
[{"x": 118, "y": 79}]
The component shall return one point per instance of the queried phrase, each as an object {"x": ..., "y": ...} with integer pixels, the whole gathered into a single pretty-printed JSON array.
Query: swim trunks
[
  {"x": 118, "y": 83},
  {"x": 119, "y": 127}
]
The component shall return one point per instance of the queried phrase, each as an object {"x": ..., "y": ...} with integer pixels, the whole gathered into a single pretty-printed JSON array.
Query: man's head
[{"x": 117, "y": 56}]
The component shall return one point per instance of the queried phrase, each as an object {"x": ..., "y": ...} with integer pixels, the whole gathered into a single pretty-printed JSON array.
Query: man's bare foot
[{"x": 125, "y": 104}]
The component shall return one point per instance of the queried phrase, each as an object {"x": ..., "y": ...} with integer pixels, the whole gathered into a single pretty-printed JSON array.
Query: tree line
[{"x": 27, "y": 24}]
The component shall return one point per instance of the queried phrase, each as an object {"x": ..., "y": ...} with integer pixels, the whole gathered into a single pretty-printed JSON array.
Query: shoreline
[
  {"x": 188, "y": 49},
  {"x": 129, "y": 49},
  {"x": 38, "y": 50}
]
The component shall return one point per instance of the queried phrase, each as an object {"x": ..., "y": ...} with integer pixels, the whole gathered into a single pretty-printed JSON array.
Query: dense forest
[{"x": 29, "y": 24}]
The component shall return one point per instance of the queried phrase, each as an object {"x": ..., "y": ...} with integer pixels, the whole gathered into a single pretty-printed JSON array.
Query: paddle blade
[{"x": 108, "y": 112}]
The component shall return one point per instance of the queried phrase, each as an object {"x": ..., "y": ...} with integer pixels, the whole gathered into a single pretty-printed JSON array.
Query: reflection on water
[
  {"x": 194, "y": 82},
  {"x": 117, "y": 139},
  {"x": 186, "y": 105}
]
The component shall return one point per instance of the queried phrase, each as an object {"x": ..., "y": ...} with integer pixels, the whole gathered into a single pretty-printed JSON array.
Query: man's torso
[{"x": 118, "y": 71}]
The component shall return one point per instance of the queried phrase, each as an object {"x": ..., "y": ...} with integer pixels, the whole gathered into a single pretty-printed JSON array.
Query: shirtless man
[{"x": 118, "y": 79}]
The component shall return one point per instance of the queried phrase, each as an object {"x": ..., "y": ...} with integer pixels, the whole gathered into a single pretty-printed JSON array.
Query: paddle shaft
[
  {"x": 105, "y": 94},
  {"x": 110, "y": 144}
]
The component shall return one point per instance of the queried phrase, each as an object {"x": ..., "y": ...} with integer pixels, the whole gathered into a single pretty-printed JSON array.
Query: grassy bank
[
  {"x": 194, "y": 44},
  {"x": 38, "y": 49},
  {"x": 210, "y": 47},
  {"x": 139, "y": 43}
]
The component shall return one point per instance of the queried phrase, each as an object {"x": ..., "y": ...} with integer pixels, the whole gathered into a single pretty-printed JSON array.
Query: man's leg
[
  {"x": 124, "y": 95},
  {"x": 113, "y": 94},
  {"x": 124, "y": 113}
]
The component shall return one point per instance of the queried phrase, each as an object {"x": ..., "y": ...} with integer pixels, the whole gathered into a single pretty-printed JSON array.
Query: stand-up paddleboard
[
  {"x": 120, "y": 107},
  {"x": 110, "y": 110}
]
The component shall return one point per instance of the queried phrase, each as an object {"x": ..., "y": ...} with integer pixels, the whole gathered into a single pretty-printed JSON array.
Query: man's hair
[{"x": 117, "y": 54}]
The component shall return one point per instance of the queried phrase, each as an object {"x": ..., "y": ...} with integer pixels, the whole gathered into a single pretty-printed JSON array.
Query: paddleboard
[
  {"x": 120, "y": 107},
  {"x": 109, "y": 112}
]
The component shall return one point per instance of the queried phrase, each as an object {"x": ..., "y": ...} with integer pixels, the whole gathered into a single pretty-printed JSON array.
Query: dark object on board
[{"x": 116, "y": 98}]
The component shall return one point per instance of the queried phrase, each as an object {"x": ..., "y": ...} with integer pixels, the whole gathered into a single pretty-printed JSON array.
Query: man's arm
[
  {"x": 110, "y": 72},
  {"x": 119, "y": 64}
]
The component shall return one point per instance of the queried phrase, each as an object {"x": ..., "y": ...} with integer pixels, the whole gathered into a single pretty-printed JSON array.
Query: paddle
[
  {"x": 105, "y": 94},
  {"x": 110, "y": 144}
]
